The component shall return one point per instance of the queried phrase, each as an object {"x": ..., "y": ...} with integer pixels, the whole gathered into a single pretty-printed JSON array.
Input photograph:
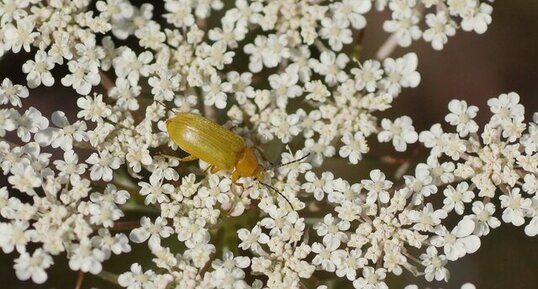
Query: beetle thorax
[{"x": 247, "y": 164}]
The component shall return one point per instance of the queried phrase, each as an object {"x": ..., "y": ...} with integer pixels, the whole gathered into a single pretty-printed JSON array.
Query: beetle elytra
[{"x": 206, "y": 140}]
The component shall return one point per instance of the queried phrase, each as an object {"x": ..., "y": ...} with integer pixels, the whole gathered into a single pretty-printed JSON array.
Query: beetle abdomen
[{"x": 205, "y": 139}]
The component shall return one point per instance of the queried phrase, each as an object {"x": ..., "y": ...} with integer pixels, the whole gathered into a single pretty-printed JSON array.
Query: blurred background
[{"x": 471, "y": 67}]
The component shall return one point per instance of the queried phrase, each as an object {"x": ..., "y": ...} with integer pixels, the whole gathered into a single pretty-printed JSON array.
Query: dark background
[{"x": 471, "y": 67}]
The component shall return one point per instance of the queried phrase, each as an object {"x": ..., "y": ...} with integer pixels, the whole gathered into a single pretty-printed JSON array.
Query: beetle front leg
[{"x": 235, "y": 176}]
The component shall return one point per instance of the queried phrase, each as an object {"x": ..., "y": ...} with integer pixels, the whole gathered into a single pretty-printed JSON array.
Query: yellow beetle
[{"x": 206, "y": 140}]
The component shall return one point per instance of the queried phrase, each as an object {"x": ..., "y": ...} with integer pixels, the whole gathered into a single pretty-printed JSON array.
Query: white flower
[
  {"x": 275, "y": 50},
  {"x": 215, "y": 92},
  {"x": 355, "y": 146},
  {"x": 347, "y": 263},
  {"x": 33, "y": 266},
  {"x": 427, "y": 218},
  {"x": 13, "y": 10},
  {"x": 155, "y": 191},
  {"x": 21, "y": 36},
  {"x": 126, "y": 94},
  {"x": 103, "y": 163},
  {"x": 404, "y": 28},
  {"x": 252, "y": 239},
  {"x": 15, "y": 235},
  {"x": 63, "y": 134},
  {"x": 136, "y": 279},
  {"x": 218, "y": 56},
  {"x": 24, "y": 178},
  {"x": 216, "y": 191},
  {"x": 456, "y": 197},
  {"x": 377, "y": 187},
  {"x": 180, "y": 13},
  {"x": 401, "y": 132},
  {"x": 332, "y": 230},
  {"x": 433, "y": 139},
  {"x": 505, "y": 108},
  {"x": 111, "y": 194},
  {"x": 367, "y": 75},
  {"x": 229, "y": 34},
  {"x": 86, "y": 258},
  {"x": 255, "y": 63},
  {"x": 435, "y": 265},
  {"x": 530, "y": 185},
  {"x": 336, "y": 31},
  {"x": 93, "y": 108},
  {"x": 83, "y": 76},
  {"x": 117, "y": 244},
  {"x": 400, "y": 72},
  {"x": 138, "y": 155},
  {"x": 61, "y": 48},
  {"x": 462, "y": 117},
  {"x": 371, "y": 279},
  {"x": 468, "y": 286},
  {"x": 151, "y": 231},
  {"x": 440, "y": 28},
  {"x": 104, "y": 214},
  {"x": 285, "y": 85},
  {"x": 39, "y": 70},
  {"x": 115, "y": 9},
  {"x": 285, "y": 127},
  {"x": 352, "y": 11},
  {"x": 30, "y": 122},
  {"x": 293, "y": 168},
  {"x": 318, "y": 186},
  {"x": 69, "y": 166},
  {"x": 459, "y": 242},
  {"x": 317, "y": 91},
  {"x": 12, "y": 93},
  {"x": 331, "y": 66},
  {"x": 129, "y": 65},
  {"x": 461, "y": 8},
  {"x": 421, "y": 182},
  {"x": 515, "y": 207},
  {"x": 532, "y": 227},
  {"x": 192, "y": 230},
  {"x": 164, "y": 85},
  {"x": 326, "y": 256},
  {"x": 484, "y": 218},
  {"x": 478, "y": 19}
]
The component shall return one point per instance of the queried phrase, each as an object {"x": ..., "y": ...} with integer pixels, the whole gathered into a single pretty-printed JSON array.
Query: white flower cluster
[
  {"x": 282, "y": 74},
  {"x": 441, "y": 17}
]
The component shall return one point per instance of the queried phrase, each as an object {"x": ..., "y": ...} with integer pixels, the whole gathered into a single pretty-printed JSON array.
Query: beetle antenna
[
  {"x": 165, "y": 106},
  {"x": 291, "y": 162},
  {"x": 278, "y": 192}
]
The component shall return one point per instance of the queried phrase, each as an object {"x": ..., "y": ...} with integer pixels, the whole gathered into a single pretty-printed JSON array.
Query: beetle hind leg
[
  {"x": 183, "y": 159},
  {"x": 188, "y": 158},
  {"x": 212, "y": 168}
]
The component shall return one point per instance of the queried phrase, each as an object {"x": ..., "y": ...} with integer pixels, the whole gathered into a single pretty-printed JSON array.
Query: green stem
[
  {"x": 109, "y": 277},
  {"x": 140, "y": 208}
]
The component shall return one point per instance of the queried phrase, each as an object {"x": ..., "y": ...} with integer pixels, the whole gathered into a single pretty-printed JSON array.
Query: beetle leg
[
  {"x": 235, "y": 176},
  {"x": 184, "y": 159},
  {"x": 214, "y": 169},
  {"x": 188, "y": 158},
  {"x": 169, "y": 156}
]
